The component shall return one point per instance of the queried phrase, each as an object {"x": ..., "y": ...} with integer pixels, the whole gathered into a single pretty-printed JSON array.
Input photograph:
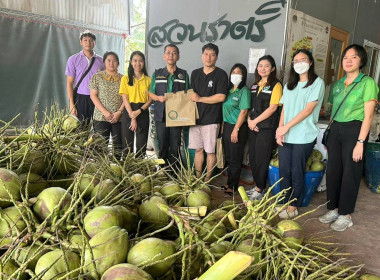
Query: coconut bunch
[
  {"x": 278, "y": 249},
  {"x": 314, "y": 163}
]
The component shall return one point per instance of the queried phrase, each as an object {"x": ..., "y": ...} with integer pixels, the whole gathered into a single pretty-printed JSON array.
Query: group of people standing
[{"x": 265, "y": 114}]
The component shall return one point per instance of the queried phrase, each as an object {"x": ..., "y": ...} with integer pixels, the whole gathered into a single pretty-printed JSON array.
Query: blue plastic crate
[
  {"x": 372, "y": 166},
  {"x": 312, "y": 181}
]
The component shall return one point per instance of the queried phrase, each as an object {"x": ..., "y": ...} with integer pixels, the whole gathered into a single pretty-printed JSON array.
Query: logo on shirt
[
  {"x": 210, "y": 83},
  {"x": 266, "y": 88},
  {"x": 180, "y": 76}
]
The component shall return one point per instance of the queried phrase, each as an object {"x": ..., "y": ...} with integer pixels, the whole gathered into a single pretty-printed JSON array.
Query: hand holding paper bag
[{"x": 180, "y": 110}]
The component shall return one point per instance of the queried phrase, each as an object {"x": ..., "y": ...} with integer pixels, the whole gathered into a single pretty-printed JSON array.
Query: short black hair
[
  {"x": 171, "y": 46},
  {"x": 87, "y": 33},
  {"x": 106, "y": 54},
  {"x": 211, "y": 46},
  {"x": 360, "y": 51},
  {"x": 244, "y": 71}
]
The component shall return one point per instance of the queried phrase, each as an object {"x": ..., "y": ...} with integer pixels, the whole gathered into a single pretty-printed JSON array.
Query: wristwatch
[{"x": 360, "y": 141}]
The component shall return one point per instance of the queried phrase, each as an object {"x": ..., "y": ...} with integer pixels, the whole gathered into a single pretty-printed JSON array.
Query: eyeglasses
[
  {"x": 301, "y": 60},
  {"x": 171, "y": 53}
]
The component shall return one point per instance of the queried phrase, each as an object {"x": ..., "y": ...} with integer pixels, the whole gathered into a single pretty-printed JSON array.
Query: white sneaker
[
  {"x": 250, "y": 191},
  {"x": 285, "y": 214},
  {"x": 255, "y": 195},
  {"x": 329, "y": 217},
  {"x": 342, "y": 223}
]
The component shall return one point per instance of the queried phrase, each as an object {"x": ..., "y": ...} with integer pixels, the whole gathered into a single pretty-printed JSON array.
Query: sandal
[
  {"x": 229, "y": 192},
  {"x": 224, "y": 187}
]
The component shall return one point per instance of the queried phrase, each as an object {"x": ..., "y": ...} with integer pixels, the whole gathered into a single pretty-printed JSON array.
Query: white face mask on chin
[
  {"x": 301, "y": 67},
  {"x": 236, "y": 79}
]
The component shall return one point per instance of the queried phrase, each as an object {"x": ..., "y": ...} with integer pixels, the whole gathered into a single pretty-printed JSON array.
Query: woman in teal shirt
[
  {"x": 235, "y": 128},
  {"x": 348, "y": 137},
  {"x": 297, "y": 131}
]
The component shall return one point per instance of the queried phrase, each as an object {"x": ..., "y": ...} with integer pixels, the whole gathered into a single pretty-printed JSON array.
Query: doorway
[{"x": 334, "y": 71}]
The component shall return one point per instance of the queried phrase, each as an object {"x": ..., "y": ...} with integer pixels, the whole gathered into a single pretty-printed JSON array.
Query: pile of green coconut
[
  {"x": 70, "y": 209},
  {"x": 314, "y": 163}
]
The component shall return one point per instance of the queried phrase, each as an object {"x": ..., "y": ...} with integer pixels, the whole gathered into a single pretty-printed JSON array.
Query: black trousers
[
  {"x": 234, "y": 152},
  {"x": 292, "y": 159},
  {"x": 343, "y": 175},
  {"x": 260, "y": 151},
  {"x": 85, "y": 107},
  {"x": 169, "y": 143},
  {"x": 128, "y": 136},
  {"x": 106, "y": 129}
]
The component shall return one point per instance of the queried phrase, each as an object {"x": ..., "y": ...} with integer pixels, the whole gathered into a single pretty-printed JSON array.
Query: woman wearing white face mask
[
  {"x": 235, "y": 128},
  {"x": 297, "y": 132}
]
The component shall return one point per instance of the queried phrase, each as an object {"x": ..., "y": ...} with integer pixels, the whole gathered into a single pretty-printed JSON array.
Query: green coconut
[
  {"x": 206, "y": 189},
  {"x": 31, "y": 159},
  {"x": 171, "y": 191},
  {"x": 219, "y": 249},
  {"x": 369, "y": 277},
  {"x": 29, "y": 255},
  {"x": 52, "y": 265},
  {"x": 151, "y": 214},
  {"x": 87, "y": 183},
  {"x": 103, "y": 189},
  {"x": 66, "y": 164},
  {"x": 8, "y": 269},
  {"x": 150, "y": 250},
  {"x": 198, "y": 198},
  {"x": 101, "y": 218},
  {"x": 317, "y": 166},
  {"x": 32, "y": 184},
  {"x": 130, "y": 219},
  {"x": 109, "y": 247},
  {"x": 218, "y": 231},
  {"x": 251, "y": 248},
  {"x": 292, "y": 232},
  {"x": 117, "y": 170},
  {"x": 140, "y": 181},
  {"x": 316, "y": 155},
  {"x": 11, "y": 222},
  {"x": 70, "y": 123},
  {"x": 76, "y": 239},
  {"x": 125, "y": 271},
  {"x": 217, "y": 215},
  {"x": 10, "y": 186},
  {"x": 48, "y": 200}
]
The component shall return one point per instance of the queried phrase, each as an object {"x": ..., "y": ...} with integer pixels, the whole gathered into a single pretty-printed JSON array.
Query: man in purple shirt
[{"x": 81, "y": 105}]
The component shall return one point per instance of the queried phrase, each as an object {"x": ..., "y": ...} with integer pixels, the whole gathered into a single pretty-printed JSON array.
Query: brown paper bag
[
  {"x": 180, "y": 110},
  {"x": 219, "y": 153}
]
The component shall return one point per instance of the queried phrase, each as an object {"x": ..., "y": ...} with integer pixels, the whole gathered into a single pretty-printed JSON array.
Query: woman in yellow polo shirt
[
  {"x": 134, "y": 89},
  {"x": 264, "y": 116}
]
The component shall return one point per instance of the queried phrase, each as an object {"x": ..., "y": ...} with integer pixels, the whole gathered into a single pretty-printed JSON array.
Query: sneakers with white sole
[
  {"x": 329, "y": 217},
  {"x": 255, "y": 195},
  {"x": 285, "y": 214},
  {"x": 342, "y": 223}
]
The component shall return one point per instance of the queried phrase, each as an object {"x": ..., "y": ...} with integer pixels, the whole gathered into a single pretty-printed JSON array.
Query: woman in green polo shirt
[
  {"x": 348, "y": 136},
  {"x": 235, "y": 128}
]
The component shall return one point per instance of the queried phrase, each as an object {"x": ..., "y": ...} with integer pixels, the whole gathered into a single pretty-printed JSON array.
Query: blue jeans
[{"x": 292, "y": 159}]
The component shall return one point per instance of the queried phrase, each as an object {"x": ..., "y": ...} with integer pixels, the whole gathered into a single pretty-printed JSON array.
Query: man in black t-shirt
[{"x": 210, "y": 85}]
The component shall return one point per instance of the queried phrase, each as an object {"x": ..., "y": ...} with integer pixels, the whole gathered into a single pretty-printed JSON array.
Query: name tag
[
  {"x": 235, "y": 98},
  {"x": 266, "y": 91}
]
